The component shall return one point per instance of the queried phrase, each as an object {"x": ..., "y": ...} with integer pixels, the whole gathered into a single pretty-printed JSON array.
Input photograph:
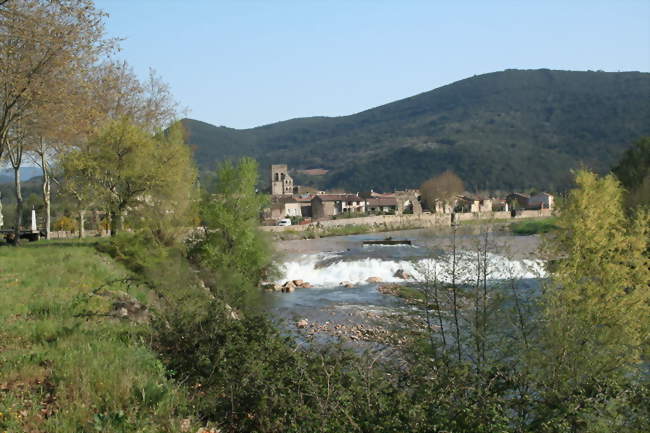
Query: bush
[
  {"x": 533, "y": 227},
  {"x": 65, "y": 224}
]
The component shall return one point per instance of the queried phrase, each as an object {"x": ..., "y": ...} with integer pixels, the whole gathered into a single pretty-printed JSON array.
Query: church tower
[{"x": 281, "y": 182}]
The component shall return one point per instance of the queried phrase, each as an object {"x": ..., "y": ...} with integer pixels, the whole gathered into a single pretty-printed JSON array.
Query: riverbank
[
  {"x": 72, "y": 344},
  {"x": 388, "y": 223}
]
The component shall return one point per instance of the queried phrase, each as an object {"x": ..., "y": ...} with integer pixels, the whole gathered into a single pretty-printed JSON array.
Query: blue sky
[{"x": 247, "y": 63}]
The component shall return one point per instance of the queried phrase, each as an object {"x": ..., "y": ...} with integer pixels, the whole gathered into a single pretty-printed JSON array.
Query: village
[{"x": 291, "y": 205}]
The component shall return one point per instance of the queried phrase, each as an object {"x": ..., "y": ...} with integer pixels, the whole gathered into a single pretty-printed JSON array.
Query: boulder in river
[
  {"x": 400, "y": 273},
  {"x": 374, "y": 280},
  {"x": 288, "y": 287},
  {"x": 346, "y": 284},
  {"x": 302, "y": 323}
]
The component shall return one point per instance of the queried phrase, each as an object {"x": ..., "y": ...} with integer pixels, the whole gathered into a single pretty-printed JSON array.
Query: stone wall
[{"x": 415, "y": 221}]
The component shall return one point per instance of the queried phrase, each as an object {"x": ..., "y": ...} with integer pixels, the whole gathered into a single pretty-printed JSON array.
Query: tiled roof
[{"x": 338, "y": 197}]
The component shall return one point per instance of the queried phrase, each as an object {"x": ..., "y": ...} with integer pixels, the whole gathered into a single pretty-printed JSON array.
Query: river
[{"x": 331, "y": 308}]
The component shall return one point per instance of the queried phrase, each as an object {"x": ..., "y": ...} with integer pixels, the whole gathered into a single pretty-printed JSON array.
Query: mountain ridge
[{"x": 512, "y": 129}]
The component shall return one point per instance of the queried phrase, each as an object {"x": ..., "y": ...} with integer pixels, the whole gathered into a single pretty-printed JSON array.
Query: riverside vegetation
[
  {"x": 205, "y": 355},
  {"x": 159, "y": 328}
]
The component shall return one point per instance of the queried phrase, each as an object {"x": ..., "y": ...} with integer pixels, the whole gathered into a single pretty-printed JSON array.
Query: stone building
[
  {"x": 543, "y": 200},
  {"x": 281, "y": 182},
  {"x": 284, "y": 207},
  {"x": 329, "y": 205},
  {"x": 382, "y": 205},
  {"x": 518, "y": 200}
]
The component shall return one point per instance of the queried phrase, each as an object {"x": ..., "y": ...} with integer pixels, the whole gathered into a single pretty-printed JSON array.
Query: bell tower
[{"x": 281, "y": 182}]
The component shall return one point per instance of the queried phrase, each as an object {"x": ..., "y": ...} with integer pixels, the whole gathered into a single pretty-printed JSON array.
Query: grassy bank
[
  {"x": 534, "y": 226},
  {"x": 69, "y": 360}
]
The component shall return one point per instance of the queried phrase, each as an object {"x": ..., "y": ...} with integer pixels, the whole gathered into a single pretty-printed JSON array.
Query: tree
[
  {"x": 232, "y": 247},
  {"x": 444, "y": 188},
  {"x": 131, "y": 169},
  {"x": 597, "y": 311},
  {"x": 42, "y": 43}
]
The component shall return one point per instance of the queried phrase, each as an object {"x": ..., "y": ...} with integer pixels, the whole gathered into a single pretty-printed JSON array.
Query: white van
[{"x": 284, "y": 222}]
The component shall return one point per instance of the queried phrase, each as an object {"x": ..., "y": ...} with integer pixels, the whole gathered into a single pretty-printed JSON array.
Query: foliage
[
  {"x": 65, "y": 223},
  {"x": 46, "y": 46},
  {"x": 597, "y": 311},
  {"x": 508, "y": 130},
  {"x": 533, "y": 226},
  {"x": 150, "y": 178},
  {"x": 231, "y": 248},
  {"x": 249, "y": 378},
  {"x": 633, "y": 171},
  {"x": 443, "y": 187}
]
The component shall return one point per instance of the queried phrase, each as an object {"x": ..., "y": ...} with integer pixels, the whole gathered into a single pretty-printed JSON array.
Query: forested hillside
[{"x": 513, "y": 129}]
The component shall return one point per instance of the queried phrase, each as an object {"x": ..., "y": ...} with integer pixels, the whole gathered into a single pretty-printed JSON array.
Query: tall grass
[
  {"x": 66, "y": 364},
  {"x": 533, "y": 226}
]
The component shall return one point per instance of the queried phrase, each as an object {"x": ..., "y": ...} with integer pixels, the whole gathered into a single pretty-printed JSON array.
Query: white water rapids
[{"x": 325, "y": 270}]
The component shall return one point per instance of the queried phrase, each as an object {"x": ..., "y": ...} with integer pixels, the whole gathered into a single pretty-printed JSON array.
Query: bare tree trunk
[
  {"x": 114, "y": 221},
  {"x": 19, "y": 203},
  {"x": 82, "y": 222},
  {"x": 46, "y": 189},
  {"x": 96, "y": 222}
]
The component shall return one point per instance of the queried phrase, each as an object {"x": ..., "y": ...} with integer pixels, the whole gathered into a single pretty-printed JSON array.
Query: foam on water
[{"x": 309, "y": 267}]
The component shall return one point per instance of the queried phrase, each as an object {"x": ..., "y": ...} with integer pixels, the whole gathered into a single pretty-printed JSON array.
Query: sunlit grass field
[{"x": 68, "y": 363}]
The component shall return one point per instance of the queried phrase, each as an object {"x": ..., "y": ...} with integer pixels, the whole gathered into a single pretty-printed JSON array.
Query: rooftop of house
[
  {"x": 338, "y": 197},
  {"x": 303, "y": 198},
  {"x": 519, "y": 194}
]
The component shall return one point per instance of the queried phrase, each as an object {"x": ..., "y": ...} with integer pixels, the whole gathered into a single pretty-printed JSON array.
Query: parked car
[{"x": 284, "y": 222}]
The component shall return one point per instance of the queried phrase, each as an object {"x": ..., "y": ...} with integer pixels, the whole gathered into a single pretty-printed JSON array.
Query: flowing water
[{"x": 326, "y": 263}]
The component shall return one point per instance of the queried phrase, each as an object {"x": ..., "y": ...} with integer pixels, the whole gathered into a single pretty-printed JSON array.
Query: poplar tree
[{"x": 597, "y": 309}]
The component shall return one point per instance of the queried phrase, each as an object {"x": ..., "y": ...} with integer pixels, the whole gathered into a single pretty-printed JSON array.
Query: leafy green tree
[
  {"x": 597, "y": 311},
  {"x": 136, "y": 174},
  {"x": 231, "y": 247}
]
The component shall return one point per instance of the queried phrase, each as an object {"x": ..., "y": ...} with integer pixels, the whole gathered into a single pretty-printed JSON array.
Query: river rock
[
  {"x": 302, "y": 323},
  {"x": 374, "y": 280},
  {"x": 306, "y": 285},
  {"x": 400, "y": 273},
  {"x": 288, "y": 287},
  {"x": 298, "y": 283},
  {"x": 346, "y": 284}
]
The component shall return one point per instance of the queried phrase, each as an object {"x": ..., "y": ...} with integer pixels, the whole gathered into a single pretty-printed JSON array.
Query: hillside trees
[
  {"x": 633, "y": 170},
  {"x": 444, "y": 188}
]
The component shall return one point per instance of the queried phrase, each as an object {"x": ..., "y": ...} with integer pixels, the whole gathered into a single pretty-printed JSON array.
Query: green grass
[
  {"x": 533, "y": 226},
  {"x": 66, "y": 364}
]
